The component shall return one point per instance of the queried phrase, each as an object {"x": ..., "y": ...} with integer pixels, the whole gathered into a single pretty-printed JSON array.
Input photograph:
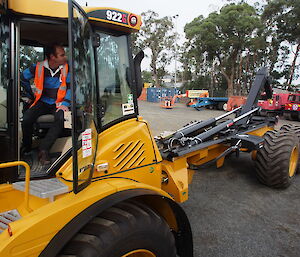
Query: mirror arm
[{"x": 138, "y": 74}]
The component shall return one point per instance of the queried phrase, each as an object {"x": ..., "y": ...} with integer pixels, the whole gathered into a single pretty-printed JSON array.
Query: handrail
[{"x": 27, "y": 178}]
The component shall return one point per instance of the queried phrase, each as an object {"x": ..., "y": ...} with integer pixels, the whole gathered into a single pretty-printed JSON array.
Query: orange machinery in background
[
  {"x": 235, "y": 102},
  {"x": 143, "y": 95},
  {"x": 168, "y": 102},
  {"x": 193, "y": 95}
]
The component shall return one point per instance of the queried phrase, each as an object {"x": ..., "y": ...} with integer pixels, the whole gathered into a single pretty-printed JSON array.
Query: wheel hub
[{"x": 293, "y": 161}]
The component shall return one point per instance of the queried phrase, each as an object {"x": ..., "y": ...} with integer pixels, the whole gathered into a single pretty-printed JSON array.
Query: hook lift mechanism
[{"x": 232, "y": 132}]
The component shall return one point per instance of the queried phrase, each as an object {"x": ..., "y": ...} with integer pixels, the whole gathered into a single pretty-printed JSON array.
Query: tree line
[{"x": 223, "y": 51}]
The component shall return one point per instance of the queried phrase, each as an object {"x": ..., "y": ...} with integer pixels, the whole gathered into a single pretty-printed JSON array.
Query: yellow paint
[
  {"x": 118, "y": 146},
  {"x": 293, "y": 161},
  {"x": 40, "y": 7},
  {"x": 49, "y": 8},
  {"x": 260, "y": 131},
  {"x": 220, "y": 162},
  {"x": 33, "y": 232},
  {"x": 128, "y": 150},
  {"x": 178, "y": 179},
  {"x": 140, "y": 253},
  {"x": 179, "y": 176},
  {"x": 133, "y": 162},
  {"x": 205, "y": 155},
  {"x": 253, "y": 155},
  {"x": 27, "y": 178},
  {"x": 147, "y": 85}
]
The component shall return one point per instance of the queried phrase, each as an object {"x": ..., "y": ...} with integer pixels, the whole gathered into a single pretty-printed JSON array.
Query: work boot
[{"x": 44, "y": 157}]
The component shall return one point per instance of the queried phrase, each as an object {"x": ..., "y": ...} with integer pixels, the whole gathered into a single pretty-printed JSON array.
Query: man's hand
[
  {"x": 63, "y": 108},
  {"x": 27, "y": 100}
]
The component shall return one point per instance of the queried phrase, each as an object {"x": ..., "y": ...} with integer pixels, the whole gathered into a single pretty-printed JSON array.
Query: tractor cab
[{"x": 102, "y": 80}]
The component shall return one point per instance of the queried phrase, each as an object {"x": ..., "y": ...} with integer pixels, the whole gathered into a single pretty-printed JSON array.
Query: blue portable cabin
[{"x": 154, "y": 94}]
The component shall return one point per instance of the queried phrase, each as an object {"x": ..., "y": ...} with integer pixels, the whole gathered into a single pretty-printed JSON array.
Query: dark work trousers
[{"x": 30, "y": 117}]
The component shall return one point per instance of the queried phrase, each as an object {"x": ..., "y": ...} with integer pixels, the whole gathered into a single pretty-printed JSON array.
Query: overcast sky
[{"x": 186, "y": 9}]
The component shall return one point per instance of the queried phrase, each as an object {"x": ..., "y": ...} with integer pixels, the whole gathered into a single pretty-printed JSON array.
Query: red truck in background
[
  {"x": 292, "y": 107},
  {"x": 274, "y": 106},
  {"x": 286, "y": 104}
]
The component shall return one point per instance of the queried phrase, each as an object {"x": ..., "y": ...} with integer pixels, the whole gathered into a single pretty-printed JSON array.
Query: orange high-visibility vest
[{"x": 39, "y": 83}]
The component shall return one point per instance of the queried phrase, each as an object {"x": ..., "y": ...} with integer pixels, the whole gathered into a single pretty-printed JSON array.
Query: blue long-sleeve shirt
[{"x": 52, "y": 82}]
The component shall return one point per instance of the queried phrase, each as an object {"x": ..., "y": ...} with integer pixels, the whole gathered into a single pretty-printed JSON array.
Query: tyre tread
[
  {"x": 113, "y": 225},
  {"x": 272, "y": 161}
]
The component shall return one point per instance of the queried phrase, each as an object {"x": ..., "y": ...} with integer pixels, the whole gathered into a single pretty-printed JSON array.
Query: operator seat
[{"x": 44, "y": 122}]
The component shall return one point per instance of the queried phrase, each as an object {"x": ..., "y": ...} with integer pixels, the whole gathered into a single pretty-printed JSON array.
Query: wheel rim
[
  {"x": 254, "y": 155},
  {"x": 293, "y": 162},
  {"x": 140, "y": 253}
]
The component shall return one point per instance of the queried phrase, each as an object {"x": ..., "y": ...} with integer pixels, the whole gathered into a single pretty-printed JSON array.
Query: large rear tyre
[
  {"x": 129, "y": 229},
  {"x": 294, "y": 129},
  {"x": 277, "y": 161}
]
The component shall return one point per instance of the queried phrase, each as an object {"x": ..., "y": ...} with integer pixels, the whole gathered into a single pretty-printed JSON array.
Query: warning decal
[{"x": 87, "y": 143}]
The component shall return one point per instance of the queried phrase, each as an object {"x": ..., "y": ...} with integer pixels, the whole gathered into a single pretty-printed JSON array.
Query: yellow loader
[{"x": 112, "y": 189}]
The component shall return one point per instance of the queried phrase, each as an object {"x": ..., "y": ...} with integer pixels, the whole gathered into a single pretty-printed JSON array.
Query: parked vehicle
[
  {"x": 234, "y": 102},
  {"x": 193, "y": 95},
  {"x": 274, "y": 106},
  {"x": 209, "y": 102},
  {"x": 292, "y": 107}
]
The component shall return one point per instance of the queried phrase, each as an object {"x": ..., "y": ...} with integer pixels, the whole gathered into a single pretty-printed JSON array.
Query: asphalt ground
[{"x": 230, "y": 212}]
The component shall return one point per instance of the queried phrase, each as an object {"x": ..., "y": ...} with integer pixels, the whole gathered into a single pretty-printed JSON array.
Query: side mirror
[{"x": 138, "y": 74}]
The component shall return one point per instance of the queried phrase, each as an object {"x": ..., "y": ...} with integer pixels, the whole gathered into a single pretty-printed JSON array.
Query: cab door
[
  {"x": 84, "y": 99},
  {"x": 8, "y": 102}
]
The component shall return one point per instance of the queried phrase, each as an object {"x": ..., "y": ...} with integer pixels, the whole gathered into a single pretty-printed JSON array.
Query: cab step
[{"x": 44, "y": 188}]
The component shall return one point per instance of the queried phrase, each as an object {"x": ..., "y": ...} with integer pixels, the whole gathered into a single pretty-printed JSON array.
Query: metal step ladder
[{"x": 44, "y": 188}]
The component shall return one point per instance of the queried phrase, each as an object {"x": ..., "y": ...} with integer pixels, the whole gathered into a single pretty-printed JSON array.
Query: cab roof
[{"x": 54, "y": 9}]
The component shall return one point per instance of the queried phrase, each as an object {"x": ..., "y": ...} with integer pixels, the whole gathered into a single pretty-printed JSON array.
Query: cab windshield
[{"x": 114, "y": 78}]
